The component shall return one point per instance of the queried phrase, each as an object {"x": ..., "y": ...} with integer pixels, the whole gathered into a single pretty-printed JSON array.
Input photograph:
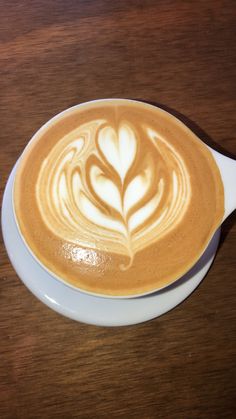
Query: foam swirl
[{"x": 102, "y": 187}]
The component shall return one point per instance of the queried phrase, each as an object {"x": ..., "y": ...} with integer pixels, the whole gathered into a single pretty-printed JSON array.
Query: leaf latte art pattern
[{"x": 104, "y": 188}]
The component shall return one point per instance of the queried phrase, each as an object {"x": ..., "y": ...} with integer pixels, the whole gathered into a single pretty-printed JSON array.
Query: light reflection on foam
[{"x": 79, "y": 255}]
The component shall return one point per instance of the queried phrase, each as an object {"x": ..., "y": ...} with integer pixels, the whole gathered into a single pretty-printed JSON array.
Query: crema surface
[{"x": 117, "y": 197}]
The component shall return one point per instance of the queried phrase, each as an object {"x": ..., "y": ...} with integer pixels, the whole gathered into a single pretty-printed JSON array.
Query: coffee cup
[{"x": 118, "y": 198}]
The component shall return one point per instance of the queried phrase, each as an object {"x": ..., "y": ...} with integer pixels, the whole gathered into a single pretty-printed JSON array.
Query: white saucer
[{"x": 90, "y": 309}]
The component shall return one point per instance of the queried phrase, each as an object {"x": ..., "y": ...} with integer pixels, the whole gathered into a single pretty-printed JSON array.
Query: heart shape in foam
[{"x": 118, "y": 148}]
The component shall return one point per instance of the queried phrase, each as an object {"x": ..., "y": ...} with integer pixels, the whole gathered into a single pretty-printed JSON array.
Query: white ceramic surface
[
  {"x": 87, "y": 308},
  {"x": 227, "y": 168}
]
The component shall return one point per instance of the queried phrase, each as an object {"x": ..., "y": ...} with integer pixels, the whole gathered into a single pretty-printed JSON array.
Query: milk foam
[{"x": 92, "y": 189}]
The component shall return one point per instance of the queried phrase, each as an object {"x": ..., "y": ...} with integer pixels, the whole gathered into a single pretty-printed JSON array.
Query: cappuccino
[{"x": 117, "y": 197}]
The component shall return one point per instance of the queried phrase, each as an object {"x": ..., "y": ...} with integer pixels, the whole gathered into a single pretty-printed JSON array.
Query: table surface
[{"x": 182, "y": 55}]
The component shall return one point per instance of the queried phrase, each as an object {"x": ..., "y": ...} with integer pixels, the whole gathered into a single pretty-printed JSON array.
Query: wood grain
[{"x": 55, "y": 54}]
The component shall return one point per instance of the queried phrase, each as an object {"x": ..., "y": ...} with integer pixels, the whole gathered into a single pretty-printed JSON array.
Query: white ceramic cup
[{"x": 226, "y": 165}]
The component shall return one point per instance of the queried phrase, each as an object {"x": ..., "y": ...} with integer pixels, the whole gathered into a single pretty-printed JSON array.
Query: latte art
[
  {"x": 98, "y": 189},
  {"x": 117, "y": 197}
]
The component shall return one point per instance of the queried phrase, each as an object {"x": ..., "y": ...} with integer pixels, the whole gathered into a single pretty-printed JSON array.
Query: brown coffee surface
[{"x": 117, "y": 197}]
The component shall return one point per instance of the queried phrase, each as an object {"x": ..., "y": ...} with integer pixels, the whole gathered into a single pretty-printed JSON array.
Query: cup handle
[{"x": 227, "y": 167}]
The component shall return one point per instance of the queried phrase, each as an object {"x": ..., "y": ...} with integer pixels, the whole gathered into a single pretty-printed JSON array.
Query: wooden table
[{"x": 181, "y": 54}]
